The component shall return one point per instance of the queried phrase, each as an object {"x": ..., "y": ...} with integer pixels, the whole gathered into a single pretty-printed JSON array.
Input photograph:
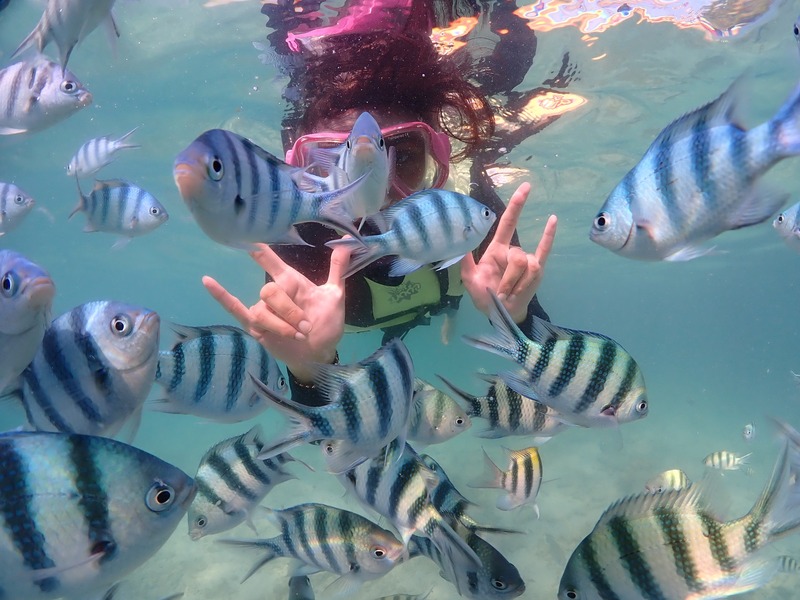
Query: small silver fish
[
  {"x": 435, "y": 417},
  {"x": 67, "y": 23},
  {"x": 787, "y": 224},
  {"x": 672, "y": 545},
  {"x": 26, "y": 299},
  {"x": 431, "y": 226},
  {"x": 15, "y": 204},
  {"x": 522, "y": 480},
  {"x": 749, "y": 432},
  {"x": 81, "y": 512},
  {"x": 300, "y": 588},
  {"x": 725, "y": 460},
  {"x": 240, "y": 194},
  {"x": 206, "y": 374},
  {"x": 587, "y": 377},
  {"x": 97, "y": 153},
  {"x": 699, "y": 178},
  {"x": 370, "y": 404},
  {"x": 117, "y": 206},
  {"x": 324, "y": 538},
  {"x": 37, "y": 94},
  {"x": 231, "y": 482},
  {"x": 93, "y": 370},
  {"x": 674, "y": 479}
]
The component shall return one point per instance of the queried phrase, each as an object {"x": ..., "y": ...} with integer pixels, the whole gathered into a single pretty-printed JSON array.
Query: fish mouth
[
  {"x": 40, "y": 291},
  {"x": 189, "y": 179},
  {"x": 195, "y": 535},
  {"x": 85, "y": 99}
]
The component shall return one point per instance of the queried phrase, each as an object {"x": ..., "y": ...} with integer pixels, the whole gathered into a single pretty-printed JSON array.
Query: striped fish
[
  {"x": 231, "y": 482},
  {"x": 78, "y": 513},
  {"x": 725, "y": 460},
  {"x": 494, "y": 579},
  {"x": 788, "y": 564},
  {"x": 300, "y": 588},
  {"x": 672, "y": 546},
  {"x": 324, "y": 538},
  {"x": 97, "y": 153},
  {"x": 435, "y": 417},
  {"x": 431, "y": 226},
  {"x": 36, "y": 94},
  {"x": 67, "y": 23},
  {"x": 15, "y": 204},
  {"x": 522, "y": 480},
  {"x": 699, "y": 178},
  {"x": 93, "y": 370},
  {"x": 674, "y": 479},
  {"x": 240, "y": 194},
  {"x": 207, "y": 374},
  {"x": 509, "y": 413},
  {"x": 26, "y": 299},
  {"x": 787, "y": 224},
  {"x": 587, "y": 377},
  {"x": 117, "y": 206},
  {"x": 396, "y": 484},
  {"x": 370, "y": 404}
]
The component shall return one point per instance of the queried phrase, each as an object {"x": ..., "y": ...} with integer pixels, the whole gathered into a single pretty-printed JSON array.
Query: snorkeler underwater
[{"x": 330, "y": 326}]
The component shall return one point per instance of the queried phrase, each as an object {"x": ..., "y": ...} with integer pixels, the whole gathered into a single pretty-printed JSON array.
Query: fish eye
[
  {"x": 381, "y": 143},
  {"x": 796, "y": 30},
  {"x": 281, "y": 382},
  {"x": 154, "y": 210},
  {"x": 215, "y": 168},
  {"x": 459, "y": 421},
  {"x": 159, "y": 497},
  {"x": 602, "y": 221},
  {"x": 641, "y": 407},
  {"x": 378, "y": 552},
  {"x": 486, "y": 213},
  {"x": 69, "y": 86},
  {"x": 572, "y": 594},
  {"x": 498, "y": 584},
  {"x": 781, "y": 218},
  {"x": 8, "y": 284},
  {"x": 121, "y": 325},
  {"x": 201, "y": 521},
  {"x": 19, "y": 200},
  {"x": 329, "y": 448},
  {"x": 660, "y": 489}
]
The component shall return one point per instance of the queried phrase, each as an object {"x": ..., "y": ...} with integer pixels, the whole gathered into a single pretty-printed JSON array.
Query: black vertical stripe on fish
[
  {"x": 597, "y": 381},
  {"x": 627, "y": 381},
  {"x": 237, "y": 168},
  {"x": 206, "y": 364},
  {"x": 302, "y": 537},
  {"x": 528, "y": 472},
  {"x": 443, "y": 218},
  {"x": 543, "y": 360},
  {"x": 88, "y": 349},
  {"x": 669, "y": 522},
  {"x": 229, "y": 477},
  {"x": 472, "y": 581},
  {"x": 92, "y": 496},
  {"x": 740, "y": 156},
  {"x": 379, "y": 383},
  {"x": 405, "y": 475},
  {"x": 252, "y": 167},
  {"x": 700, "y": 155},
  {"x": 106, "y": 202},
  {"x": 539, "y": 416},
  {"x": 572, "y": 358},
  {"x": 717, "y": 543},
  {"x": 493, "y": 405},
  {"x": 237, "y": 373},
  {"x": 250, "y": 464},
  {"x": 514, "y": 411},
  {"x": 274, "y": 188},
  {"x": 596, "y": 573},
  {"x": 287, "y": 538},
  {"x": 17, "y": 516},
  {"x": 208, "y": 492},
  {"x": 347, "y": 530},
  {"x": 402, "y": 240},
  {"x": 513, "y": 473},
  {"x": 350, "y": 409},
  {"x": 418, "y": 223},
  {"x": 664, "y": 171},
  {"x": 321, "y": 424},
  {"x": 634, "y": 560},
  {"x": 42, "y": 400},
  {"x": 323, "y": 534},
  {"x": 13, "y": 96},
  {"x": 373, "y": 481},
  {"x": 179, "y": 367}
]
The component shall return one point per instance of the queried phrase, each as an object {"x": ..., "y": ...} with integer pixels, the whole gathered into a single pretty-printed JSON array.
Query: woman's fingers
[
  {"x": 282, "y": 306},
  {"x": 340, "y": 260},
  {"x": 516, "y": 266},
  {"x": 548, "y": 238},
  {"x": 271, "y": 262},
  {"x": 510, "y": 217},
  {"x": 228, "y": 301}
]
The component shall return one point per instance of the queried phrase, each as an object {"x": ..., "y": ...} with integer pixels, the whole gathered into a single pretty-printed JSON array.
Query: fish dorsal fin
[
  {"x": 383, "y": 219},
  {"x": 644, "y": 504},
  {"x": 189, "y": 332},
  {"x": 100, "y": 184},
  {"x": 544, "y": 330},
  {"x": 721, "y": 111},
  {"x": 254, "y": 437}
]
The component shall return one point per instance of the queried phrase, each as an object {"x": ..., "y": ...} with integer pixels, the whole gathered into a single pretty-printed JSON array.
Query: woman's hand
[
  {"x": 509, "y": 271},
  {"x": 296, "y": 321}
]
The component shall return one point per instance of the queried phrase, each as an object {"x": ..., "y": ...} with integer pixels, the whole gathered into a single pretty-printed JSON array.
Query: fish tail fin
[
  {"x": 492, "y": 475},
  {"x": 777, "y": 510},
  {"x": 507, "y": 339},
  {"x": 39, "y": 38},
  {"x": 456, "y": 554},
  {"x": 334, "y": 207},
  {"x": 121, "y": 144},
  {"x": 81, "y": 199},
  {"x": 165, "y": 368},
  {"x": 787, "y": 123},
  {"x": 473, "y": 404},
  {"x": 270, "y": 547},
  {"x": 301, "y": 429},
  {"x": 362, "y": 253}
]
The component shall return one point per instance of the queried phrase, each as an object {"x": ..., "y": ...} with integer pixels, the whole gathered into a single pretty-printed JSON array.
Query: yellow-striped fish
[
  {"x": 522, "y": 480},
  {"x": 725, "y": 460},
  {"x": 674, "y": 479}
]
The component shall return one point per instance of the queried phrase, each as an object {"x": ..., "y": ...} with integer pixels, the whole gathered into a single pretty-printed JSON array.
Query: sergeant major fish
[
  {"x": 36, "y": 94},
  {"x": 15, "y": 204},
  {"x": 240, "y": 194},
  {"x": 117, "y": 206},
  {"x": 587, "y": 377},
  {"x": 787, "y": 224},
  {"x": 431, "y": 226},
  {"x": 324, "y": 538},
  {"x": 81, "y": 512},
  {"x": 699, "y": 178},
  {"x": 206, "y": 374},
  {"x": 522, "y": 480},
  {"x": 67, "y": 23},
  {"x": 97, "y": 153},
  {"x": 672, "y": 545},
  {"x": 435, "y": 417},
  {"x": 93, "y": 370},
  {"x": 232, "y": 482},
  {"x": 725, "y": 460},
  {"x": 369, "y": 406},
  {"x": 26, "y": 299},
  {"x": 673, "y": 479}
]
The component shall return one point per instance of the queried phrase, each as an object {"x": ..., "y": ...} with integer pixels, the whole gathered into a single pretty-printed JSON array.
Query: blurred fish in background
[{"x": 15, "y": 204}]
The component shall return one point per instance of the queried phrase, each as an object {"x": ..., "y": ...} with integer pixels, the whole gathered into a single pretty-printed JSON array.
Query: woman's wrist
[{"x": 303, "y": 372}]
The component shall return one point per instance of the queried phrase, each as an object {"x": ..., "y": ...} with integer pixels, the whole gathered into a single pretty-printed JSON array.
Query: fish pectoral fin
[
  {"x": 755, "y": 574},
  {"x": 346, "y": 585},
  {"x": 11, "y": 130},
  {"x": 760, "y": 204},
  {"x": 690, "y": 253}
]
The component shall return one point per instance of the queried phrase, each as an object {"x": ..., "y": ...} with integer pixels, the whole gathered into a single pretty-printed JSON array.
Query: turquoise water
[{"x": 716, "y": 337}]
